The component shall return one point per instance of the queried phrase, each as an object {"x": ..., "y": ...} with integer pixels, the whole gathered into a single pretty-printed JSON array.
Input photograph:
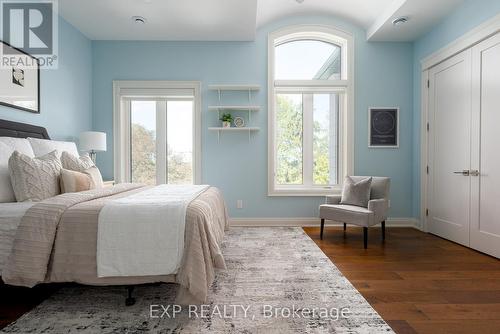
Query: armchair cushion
[
  {"x": 356, "y": 192},
  {"x": 380, "y": 186},
  {"x": 349, "y": 214}
]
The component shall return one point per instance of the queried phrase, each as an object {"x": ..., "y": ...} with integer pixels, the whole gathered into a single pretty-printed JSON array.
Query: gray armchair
[{"x": 375, "y": 213}]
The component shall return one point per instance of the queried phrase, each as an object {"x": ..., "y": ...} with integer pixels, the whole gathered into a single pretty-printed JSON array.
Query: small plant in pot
[{"x": 226, "y": 119}]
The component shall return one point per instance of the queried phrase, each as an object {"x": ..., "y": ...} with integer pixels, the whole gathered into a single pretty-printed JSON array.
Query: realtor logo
[{"x": 31, "y": 26}]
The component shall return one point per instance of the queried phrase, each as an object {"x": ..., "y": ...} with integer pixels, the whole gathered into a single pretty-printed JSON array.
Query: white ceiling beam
[
  {"x": 422, "y": 15},
  {"x": 386, "y": 15}
]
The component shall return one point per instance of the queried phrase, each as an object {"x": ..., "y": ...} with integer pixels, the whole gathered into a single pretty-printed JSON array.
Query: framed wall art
[
  {"x": 383, "y": 127},
  {"x": 19, "y": 79}
]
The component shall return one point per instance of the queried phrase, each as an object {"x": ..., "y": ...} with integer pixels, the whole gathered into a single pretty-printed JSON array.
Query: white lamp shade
[{"x": 92, "y": 141}]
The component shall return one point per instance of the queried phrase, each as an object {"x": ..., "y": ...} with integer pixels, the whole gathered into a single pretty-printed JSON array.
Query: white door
[
  {"x": 450, "y": 148},
  {"x": 485, "y": 205}
]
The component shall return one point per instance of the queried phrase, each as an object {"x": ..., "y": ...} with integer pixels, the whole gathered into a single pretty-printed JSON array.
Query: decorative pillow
[
  {"x": 76, "y": 163},
  {"x": 72, "y": 181},
  {"x": 44, "y": 146},
  {"x": 356, "y": 193},
  {"x": 34, "y": 179},
  {"x": 95, "y": 177},
  {"x": 6, "y": 191},
  {"x": 21, "y": 145},
  {"x": 82, "y": 164}
]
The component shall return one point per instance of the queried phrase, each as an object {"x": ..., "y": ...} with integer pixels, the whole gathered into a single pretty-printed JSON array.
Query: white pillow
[
  {"x": 43, "y": 146},
  {"x": 82, "y": 164},
  {"x": 356, "y": 193},
  {"x": 35, "y": 179},
  {"x": 6, "y": 191},
  {"x": 21, "y": 145}
]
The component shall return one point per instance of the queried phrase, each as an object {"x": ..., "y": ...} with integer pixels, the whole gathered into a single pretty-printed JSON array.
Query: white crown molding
[{"x": 311, "y": 222}]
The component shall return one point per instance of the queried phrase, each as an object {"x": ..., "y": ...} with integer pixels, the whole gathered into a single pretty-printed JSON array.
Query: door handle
[
  {"x": 465, "y": 172},
  {"x": 474, "y": 172}
]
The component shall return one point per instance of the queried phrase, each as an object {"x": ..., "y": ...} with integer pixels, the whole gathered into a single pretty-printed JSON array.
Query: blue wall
[
  {"x": 383, "y": 77},
  {"x": 78, "y": 96},
  {"x": 466, "y": 17},
  {"x": 66, "y": 93}
]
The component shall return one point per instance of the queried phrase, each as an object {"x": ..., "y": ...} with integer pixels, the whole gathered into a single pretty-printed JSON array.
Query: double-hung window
[{"x": 310, "y": 110}]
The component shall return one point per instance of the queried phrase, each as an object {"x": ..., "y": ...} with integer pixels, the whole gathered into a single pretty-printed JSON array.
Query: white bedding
[
  {"x": 10, "y": 217},
  {"x": 143, "y": 234}
]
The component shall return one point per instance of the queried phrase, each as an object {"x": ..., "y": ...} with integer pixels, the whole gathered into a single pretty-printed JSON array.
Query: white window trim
[
  {"x": 121, "y": 121},
  {"x": 346, "y": 117}
]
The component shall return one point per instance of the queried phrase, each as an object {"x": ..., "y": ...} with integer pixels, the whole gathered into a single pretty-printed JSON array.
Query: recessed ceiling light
[
  {"x": 300, "y": 1},
  {"x": 139, "y": 19},
  {"x": 400, "y": 20}
]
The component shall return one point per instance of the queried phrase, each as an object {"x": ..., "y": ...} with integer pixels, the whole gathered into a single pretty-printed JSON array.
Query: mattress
[{"x": 10, "y": 217}]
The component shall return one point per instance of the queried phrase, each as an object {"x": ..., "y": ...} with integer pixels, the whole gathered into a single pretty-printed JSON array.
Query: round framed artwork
[{"x": 239, "y": 122}]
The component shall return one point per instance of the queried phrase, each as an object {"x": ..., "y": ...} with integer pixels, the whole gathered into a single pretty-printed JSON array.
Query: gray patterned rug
[{"x": 277, "y": 281}]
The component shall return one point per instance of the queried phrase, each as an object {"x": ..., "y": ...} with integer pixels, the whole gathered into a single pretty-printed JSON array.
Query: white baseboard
[{"x": 308, "y": 222}]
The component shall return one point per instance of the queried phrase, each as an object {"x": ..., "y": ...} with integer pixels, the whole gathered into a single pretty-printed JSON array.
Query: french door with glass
[{"x": 160, "y": 135}]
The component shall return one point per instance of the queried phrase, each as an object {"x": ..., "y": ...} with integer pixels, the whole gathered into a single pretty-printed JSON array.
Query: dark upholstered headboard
[{"x": 22, "y": 130}]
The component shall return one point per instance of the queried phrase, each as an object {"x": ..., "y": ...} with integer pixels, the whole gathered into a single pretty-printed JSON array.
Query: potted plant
[{"x": 226, "y": 120}]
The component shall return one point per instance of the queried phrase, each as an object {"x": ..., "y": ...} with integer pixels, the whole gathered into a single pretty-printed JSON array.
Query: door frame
[
  {"x": 120, "y": 122},
  {"x": 469, "y": 39}
]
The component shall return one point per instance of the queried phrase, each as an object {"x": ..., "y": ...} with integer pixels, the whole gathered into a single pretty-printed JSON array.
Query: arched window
[{"x": 310, "y": 110}]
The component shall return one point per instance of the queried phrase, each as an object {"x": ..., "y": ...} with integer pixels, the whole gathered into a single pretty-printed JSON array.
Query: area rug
[{"x": 277, "y": 281}]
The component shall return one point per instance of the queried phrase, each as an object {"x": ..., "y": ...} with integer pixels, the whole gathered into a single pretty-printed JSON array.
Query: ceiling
[
  {"x": 176, "y": 20},
  {"x": 360, "y": 12},
  {"x": 422, "y": 16},
  {"x": 238, "y": 20}
]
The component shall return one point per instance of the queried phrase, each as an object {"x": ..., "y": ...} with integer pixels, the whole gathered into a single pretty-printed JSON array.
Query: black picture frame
[
  {"x": 383, "y": 127},
  {"x": 37, "y": 93}
]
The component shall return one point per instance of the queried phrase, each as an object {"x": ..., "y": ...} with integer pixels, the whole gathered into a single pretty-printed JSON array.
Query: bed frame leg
[{"x": 129, "y": 301}]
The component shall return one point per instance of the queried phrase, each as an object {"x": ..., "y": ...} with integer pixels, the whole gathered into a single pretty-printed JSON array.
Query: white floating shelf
[
  {"x": 234, "y": 87},
  {"x": 234, "y": 129},
  {"x": 243, "y": 88},
  {"x": 217, "y": 108},
  {"x": 244, "y": 128}
]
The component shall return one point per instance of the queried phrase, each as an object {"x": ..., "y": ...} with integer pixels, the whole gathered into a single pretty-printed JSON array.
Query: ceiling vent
[
  {"x": 400, "y": 21},
  {"x": 139, "y": 19}
]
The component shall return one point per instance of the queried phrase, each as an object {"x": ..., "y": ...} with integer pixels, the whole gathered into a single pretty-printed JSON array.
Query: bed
[{"x": 56, "y": 240}]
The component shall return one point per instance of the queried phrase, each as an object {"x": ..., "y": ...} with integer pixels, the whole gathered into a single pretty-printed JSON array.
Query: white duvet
[{"x": 143, "y": 234}]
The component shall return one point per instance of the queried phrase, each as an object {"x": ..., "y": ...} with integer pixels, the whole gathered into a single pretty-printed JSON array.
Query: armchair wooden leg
[
  {"x": 383, "y": 230},
  {"x": 129, "y": 301},
  {"x": 345, "y": 226},
  {"x": 365, "y": 237},
  {"x": 322, "y": 226}
]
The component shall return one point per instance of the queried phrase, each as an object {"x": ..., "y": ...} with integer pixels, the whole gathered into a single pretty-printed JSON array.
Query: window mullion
[
  {"x": 126, "y": 129},
  {"x": 333, "y": 140},
  {"x": 341, "y": 135},
  {"x": 307, "y": 140},
  {"x": 161, "y": 142}
]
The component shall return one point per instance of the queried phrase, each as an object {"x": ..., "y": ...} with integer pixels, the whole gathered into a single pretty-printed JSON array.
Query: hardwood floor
[
  {"x": 417, "y": 282},
  {"x": 15, "y": 301}
]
